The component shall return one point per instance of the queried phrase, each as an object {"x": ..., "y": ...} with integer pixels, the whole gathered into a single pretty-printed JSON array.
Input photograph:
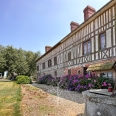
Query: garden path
[{"x": 69, "y": 95}]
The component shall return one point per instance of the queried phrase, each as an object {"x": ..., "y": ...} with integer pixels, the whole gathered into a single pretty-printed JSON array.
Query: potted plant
[{"x": 110, "y": 88}]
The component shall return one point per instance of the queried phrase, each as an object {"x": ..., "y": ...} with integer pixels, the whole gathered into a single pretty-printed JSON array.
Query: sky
[{"x": 34, "y": 24}]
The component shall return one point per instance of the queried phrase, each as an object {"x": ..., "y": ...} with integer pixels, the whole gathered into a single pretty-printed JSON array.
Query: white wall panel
[
  {"x": 92, "y": 44},
  {"x": 96, "y": 42},
  {"x": 96, "y": 56},
  {"x": 114, "y": 51},
  {"x": 104, "y": 18},
  {"x": 52, "y": 61},
  {"x": 81, "y": 49},
  {"x": 113, "y": 13},
  {"x": 96, "y": 24},
  {"x": 114, "y": 40},
  {"x": 92, "y": 56},
  {"x": 108, "y": 38},
  {"x": 92, "y": 26},
  {"x": 109, "y": 15}
]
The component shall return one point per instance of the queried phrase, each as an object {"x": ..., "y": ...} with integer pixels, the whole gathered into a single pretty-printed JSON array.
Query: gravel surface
[{"x": 69, "y": 95}]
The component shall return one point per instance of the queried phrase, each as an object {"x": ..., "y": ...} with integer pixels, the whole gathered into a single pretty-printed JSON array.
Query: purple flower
[
  {"x": 90, "y": 85},
  {"x": 80, "y": 76},
  {"x": 87, "y": 76}
]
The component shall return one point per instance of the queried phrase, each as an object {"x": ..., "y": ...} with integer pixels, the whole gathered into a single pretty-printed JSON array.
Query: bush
[
  {"x": 21, "y": 79},
  {"x": 104, "y": 82},
  {"x": 77, "y": 83},
  {"x": 56, "y": 81},
  {"x": 47, "y": 79}
]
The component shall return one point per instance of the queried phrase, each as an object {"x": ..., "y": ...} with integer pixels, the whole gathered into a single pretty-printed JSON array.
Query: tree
[
  {"x": 31, "y": 58},
  {"x": 15, "y": 60},
  {"x": 2, "y": 63},
  {"x": 18, "y": 60},
  {"x": 2, "y": 60},
  {"x": 22, "y": 66}
]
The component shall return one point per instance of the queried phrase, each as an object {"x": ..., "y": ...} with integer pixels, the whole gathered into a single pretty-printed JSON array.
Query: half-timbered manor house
[{"x": 90, "y": 46}]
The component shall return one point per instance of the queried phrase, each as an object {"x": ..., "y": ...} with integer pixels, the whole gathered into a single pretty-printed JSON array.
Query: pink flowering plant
[{"x": 104, "y": 83}]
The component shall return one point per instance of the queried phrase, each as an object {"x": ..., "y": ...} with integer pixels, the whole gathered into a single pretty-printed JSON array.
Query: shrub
[
  {"x": 104, "y": 82},
  {"x": 21, "y": 79},
  {"x": 47, "y": 79},
  {"x": 77, "y": 83},
  {"x": 55, "y": 81}
]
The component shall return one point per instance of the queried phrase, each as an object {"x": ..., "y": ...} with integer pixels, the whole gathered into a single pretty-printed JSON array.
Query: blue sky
[{"x": 33, "y": 24}]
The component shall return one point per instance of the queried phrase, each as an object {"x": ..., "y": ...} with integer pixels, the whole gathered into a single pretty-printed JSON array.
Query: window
[
  {"x": 107, "y": 75},
  {"x": 49, "y": 63},
  {"x": 87, "y": 47},
  {"x": 103, "y": 74},
  {"x": 69, "y": 71},
  {"x": 69, "y": 56},
  {"x": 110, "y": 75},
  {"x": 102, "y": 41},
  {"x": 37, "y": 68},
  {"x": 55, "y": 60},
  {"x": 43, "y": 65}
]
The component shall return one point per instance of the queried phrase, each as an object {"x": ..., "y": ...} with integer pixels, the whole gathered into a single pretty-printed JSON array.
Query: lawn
[{"x": 10, "y": 97}]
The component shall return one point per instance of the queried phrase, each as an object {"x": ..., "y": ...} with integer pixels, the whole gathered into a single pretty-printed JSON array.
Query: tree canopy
[{"x": 18, "y": 60}]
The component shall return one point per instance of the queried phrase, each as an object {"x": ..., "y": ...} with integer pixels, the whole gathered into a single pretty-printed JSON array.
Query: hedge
[{"x": 21, "y": 79}]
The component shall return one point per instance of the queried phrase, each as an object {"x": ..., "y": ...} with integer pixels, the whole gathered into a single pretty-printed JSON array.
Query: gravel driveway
[{"x": 70, "y": 95}]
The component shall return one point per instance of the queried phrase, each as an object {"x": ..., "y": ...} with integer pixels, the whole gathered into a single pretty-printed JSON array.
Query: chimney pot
[
  {"x": 73, "y": 25},
  {"x": 88, "y": 11},
  {"x": 47, "y": 48}
]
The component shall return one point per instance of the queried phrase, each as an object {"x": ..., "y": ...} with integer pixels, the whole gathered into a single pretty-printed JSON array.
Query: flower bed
[{"x": 77, "y": 83}]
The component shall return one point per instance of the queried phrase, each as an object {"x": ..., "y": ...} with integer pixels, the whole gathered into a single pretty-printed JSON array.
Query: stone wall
[{"x": 99, "y": 105}]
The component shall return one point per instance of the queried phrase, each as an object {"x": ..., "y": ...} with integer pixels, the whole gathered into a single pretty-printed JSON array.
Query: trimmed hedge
[{"x": 21, "y": 79}]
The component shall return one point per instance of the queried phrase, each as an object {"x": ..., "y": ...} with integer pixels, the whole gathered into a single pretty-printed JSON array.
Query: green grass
[{"x": 10, "y": 97}]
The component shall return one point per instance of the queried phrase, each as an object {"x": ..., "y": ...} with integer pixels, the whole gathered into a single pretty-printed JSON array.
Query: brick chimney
[
  {"x": 73, "y": 25},
  {"x": 47, "y": 48},
  {"x": 88, "y": 11}
]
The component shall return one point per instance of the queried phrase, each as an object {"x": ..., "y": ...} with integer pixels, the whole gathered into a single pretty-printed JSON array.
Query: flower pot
[{"x": 110, "y": 89}]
